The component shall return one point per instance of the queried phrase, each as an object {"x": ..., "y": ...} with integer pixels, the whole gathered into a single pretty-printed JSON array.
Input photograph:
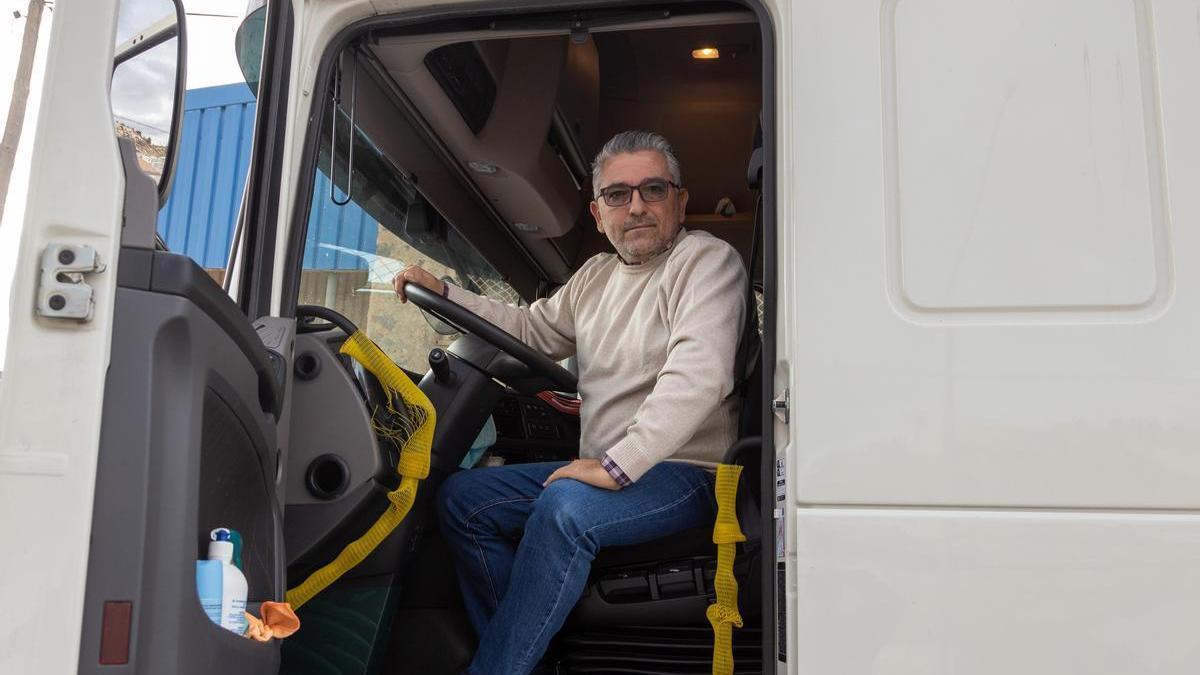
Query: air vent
[{"x": 466, "y": 81}]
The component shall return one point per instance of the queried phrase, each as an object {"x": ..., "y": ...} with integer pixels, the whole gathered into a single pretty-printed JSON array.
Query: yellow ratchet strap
[
  {"x": 412, "y": 467},
  {"x": 723, "y": 614}
]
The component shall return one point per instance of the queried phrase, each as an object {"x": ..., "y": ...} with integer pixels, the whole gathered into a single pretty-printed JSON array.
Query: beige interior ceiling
[
  {"x": 530, "y": 185},
  {"x": 620, "y": 77}
]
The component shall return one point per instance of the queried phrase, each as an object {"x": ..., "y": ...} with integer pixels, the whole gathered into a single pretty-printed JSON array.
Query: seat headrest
[{"x": 755, "y": 169}]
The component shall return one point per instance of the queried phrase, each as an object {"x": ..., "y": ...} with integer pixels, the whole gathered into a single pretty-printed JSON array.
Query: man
[{"x": 655, "y": 329}]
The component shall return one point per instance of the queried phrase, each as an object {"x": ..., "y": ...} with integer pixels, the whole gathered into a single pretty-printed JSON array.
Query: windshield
[{"x": 364, "y": 230}]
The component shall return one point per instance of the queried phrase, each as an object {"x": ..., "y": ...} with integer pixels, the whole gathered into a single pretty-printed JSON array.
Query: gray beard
[{"x": 631, "y": 259}]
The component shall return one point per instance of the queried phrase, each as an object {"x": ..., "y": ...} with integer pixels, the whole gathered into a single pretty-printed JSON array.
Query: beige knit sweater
[{"x": 655, "y": 345}]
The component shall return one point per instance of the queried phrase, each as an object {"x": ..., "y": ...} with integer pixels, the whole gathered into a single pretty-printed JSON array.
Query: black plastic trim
[
  {"x": 770, "y": 647},
  {"x": 177, "y": 274},
  {"x": 317, "y": 477},
  {"x": 261, "y": 210},
  {"x": 254, "y": 427},
  {"x": 152, "y": 491},
  {"x": 329, "y": 315},
  {"x": 172, "y": 158},
  {"x": 135, "y": 268},
  {"x": 466, "y": 81}
]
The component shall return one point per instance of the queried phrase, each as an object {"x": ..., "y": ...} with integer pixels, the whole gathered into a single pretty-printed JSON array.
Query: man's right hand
[{"x": 418, "y": 276}]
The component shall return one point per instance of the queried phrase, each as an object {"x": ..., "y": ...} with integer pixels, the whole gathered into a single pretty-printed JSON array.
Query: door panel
[
  {"x": 991, "y": 305},
  {"x": 187, "y": 445},
  {"x": 993, "y": 253},
  {"x": 54, "y": 371},
  {"x": 944, "y": 592}
]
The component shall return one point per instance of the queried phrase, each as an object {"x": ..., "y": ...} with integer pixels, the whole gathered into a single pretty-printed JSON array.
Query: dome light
[{"x": 706, "y": 53}]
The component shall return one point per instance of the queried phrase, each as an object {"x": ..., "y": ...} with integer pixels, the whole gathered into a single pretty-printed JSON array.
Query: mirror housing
[
  {"x": 248, "y": 43},
  {"x": 139, "y": 71}
]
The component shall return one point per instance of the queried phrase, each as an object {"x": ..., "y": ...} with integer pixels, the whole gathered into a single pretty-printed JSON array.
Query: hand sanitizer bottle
[{"x": 233, "y": 582}]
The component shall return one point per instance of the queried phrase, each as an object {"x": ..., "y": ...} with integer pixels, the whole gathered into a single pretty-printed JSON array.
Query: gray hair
[{"x": 635, "y": 141}]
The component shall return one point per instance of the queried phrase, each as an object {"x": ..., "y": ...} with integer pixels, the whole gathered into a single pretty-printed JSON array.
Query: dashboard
[{"x": 529, "y": 430}]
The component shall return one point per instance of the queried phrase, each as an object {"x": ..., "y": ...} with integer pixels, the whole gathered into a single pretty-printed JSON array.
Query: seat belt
[
  {"x": 413, "y": 467},
  {"x": 749, "y": 347},
  {"x": 723, "y": 614}
]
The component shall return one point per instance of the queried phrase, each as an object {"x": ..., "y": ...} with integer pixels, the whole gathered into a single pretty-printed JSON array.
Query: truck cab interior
[{"x": 464, "y": 146}]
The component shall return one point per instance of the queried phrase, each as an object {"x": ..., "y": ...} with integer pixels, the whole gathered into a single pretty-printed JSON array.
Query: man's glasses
[{"x": 652, "y": 190}]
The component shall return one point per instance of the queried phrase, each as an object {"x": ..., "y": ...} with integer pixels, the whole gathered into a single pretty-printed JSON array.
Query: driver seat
[{"x": 643, "y": 610}]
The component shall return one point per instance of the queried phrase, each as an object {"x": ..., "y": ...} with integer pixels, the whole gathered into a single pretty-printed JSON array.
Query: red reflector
[{"x": 114, "y": 633}]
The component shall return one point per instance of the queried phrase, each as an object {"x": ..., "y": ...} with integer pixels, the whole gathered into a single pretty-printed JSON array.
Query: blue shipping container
[{"x": 214, "y": 155}]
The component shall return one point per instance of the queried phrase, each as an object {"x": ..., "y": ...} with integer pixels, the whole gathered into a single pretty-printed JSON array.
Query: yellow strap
[
  {"x": 412, "y": 467},
  {"x": 723, "y": 614}
]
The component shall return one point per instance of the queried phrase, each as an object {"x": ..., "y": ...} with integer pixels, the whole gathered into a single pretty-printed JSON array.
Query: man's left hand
[{"x": 585, "y": 471}]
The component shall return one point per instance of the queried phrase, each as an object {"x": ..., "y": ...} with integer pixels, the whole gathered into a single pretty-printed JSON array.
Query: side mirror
[
  {"x": 248, "y": 43},
  {"x": 149, "y": 76}
]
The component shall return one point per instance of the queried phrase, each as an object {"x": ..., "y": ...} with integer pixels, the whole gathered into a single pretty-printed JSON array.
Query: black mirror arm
[{"x": 164, "y": 183}]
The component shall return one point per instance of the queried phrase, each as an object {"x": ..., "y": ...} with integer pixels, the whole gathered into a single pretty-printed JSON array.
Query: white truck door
[
  {"x": 992, "y": 230},
  {"x": 53, "y": 382},
  {"x": 132, "y": 427}
]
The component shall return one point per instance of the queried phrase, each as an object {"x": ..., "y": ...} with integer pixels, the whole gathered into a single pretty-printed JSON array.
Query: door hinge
[
  {"x": 782, "y": 405},
  {"x": 62, "y": 293}
]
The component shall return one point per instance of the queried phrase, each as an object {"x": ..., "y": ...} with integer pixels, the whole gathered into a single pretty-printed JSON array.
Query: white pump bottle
[{"x": 233, "y": 583}]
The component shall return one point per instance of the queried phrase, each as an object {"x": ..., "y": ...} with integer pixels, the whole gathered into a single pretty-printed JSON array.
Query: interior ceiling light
[
  {"x": 483, "y": 167},
  {"x": 706, "y": 53},
  {"x": 525, "y": 227}
]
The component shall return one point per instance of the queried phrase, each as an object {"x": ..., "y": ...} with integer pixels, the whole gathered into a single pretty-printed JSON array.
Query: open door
[
  {"x": 188, "y": 444},
  {"x": 53, "y": 382},
  {"x": 140, "y": 405}
]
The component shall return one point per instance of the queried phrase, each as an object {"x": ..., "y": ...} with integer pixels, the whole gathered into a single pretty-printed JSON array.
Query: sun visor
[{"x": 510, "y": 157}]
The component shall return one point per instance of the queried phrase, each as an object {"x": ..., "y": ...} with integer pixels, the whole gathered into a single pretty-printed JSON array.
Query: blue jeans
[{"x": 518, "y": 594}]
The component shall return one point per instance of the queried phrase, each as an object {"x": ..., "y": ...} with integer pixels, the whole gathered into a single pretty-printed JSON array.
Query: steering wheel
[
  {"x": 369, "y": 386},
  {"x": 471, "y": 323}
]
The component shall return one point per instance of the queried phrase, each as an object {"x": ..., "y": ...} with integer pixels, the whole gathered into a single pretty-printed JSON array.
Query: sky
[{"x": 211, "y": 25}]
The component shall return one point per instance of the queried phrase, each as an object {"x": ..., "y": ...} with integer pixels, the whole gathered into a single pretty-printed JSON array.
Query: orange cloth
[{"x": 279, "y": 621}]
